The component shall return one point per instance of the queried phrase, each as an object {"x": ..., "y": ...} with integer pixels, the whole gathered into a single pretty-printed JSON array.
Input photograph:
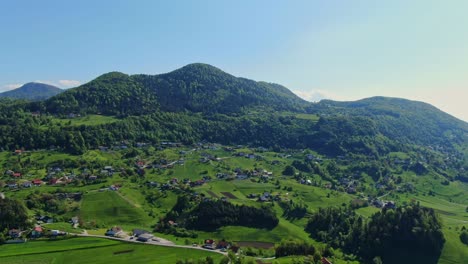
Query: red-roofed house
[
  {"x": 37, "y": 182},
  {"x": 16, "y": 174},
  {"x": 37, "y": 232}
]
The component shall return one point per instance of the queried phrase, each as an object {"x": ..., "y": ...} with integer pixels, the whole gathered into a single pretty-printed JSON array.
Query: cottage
[
  {"x": 92, "y": 177},
  {"x": 12, "y": 185},
  {"x": 114, "y": 231},
  {"x": 390, "y": 205},
  {"x": 145, "y": 237},
  {"x": 222, "y": 245},
  {"x": 27, "y": 184},
  {"x": 138, "y": 232},
  {"x": 37, "y": 182},
  {"x": 17, "y": 175},
  {"x": 209, "y": 244},
  {"x": 37, "y": 232},
  {"x": 74, "y": 220},
  {"x": 14, "y": 233}
]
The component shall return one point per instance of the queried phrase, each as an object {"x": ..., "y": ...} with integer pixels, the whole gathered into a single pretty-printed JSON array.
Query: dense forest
[
  {"x": 395, "y": 235},
  {"x": 209, "y": 215}
]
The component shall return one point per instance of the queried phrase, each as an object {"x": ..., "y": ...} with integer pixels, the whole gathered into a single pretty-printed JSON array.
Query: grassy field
[
  {"x": 89, "y": 120},
  {"x": 95, "y": 250},
  {"x": 108, "y": 208}
]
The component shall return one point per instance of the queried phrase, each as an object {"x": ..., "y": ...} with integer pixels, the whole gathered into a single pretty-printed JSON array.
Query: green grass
[
  {"x": 43, "y": 246},
  {"x": 95, "y": 250},
  {"x": 89, "y": 120},
  {"x": 109, "y": 208},
  {"x": 67, "y": 227}
]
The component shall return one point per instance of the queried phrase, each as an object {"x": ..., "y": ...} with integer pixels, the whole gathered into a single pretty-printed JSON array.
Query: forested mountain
[
  {"x": 200, "y": 102},
  {"x": 401, "y": 119},
  {"x": 194, "y": 88},
  {"x": 204, "y": 88},
  {"x": 32, "y": 91}
]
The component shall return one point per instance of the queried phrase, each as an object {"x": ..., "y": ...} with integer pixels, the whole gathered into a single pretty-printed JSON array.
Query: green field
[
  {"x": 89, "y": 120},
  {"x": 96, "y": 250},
  {"x": 108, "y": 208}
]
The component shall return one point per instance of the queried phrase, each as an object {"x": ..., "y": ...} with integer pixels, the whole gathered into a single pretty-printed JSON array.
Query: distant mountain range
[{"x": 32, "y": 91}]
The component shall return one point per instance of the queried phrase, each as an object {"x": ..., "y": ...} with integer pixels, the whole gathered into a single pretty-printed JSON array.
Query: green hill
[{"x": 32, "y": 91}]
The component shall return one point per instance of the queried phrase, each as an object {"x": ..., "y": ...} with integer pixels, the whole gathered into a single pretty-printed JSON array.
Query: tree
[{"x": 289, "y": 170}]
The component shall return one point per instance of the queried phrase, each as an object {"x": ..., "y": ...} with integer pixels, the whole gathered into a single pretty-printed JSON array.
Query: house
[
  {"x": 324, "y": 260},
  {"x": 12, "y": 185},
  {"x": 27, "y": 184},
  {"x": 9, "y": 172},
  {"x": 37, "y": 182},
  {"x": 145, "y": 237},
  {"x": 114, "y": 231},
  {"x": 222, "y": 245},
  {"x": 138, "y": 232},
  {"x": 44, "y": 219},
  {"x": 241, "y": 176},
  {"x": 37, "y": 232},
  {"x": 209, "y": 244},
  {"x": 18, "y": 152},
  {"x": 390, "y": 205},
  {"x": 378, "y": 203},
  {"x": 14, "y": 233},
  {"x": 74, "y": 220},
  {"x": 92, "y": 178},
  {"x": 17, "y": 175},
  {"x": 53, "y": 181}
]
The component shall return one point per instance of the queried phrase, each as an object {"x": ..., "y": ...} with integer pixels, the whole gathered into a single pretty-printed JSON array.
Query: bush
[{"x": 464, "y": 237}]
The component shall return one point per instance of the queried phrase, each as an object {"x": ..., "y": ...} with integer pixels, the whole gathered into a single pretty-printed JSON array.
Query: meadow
[{"x": 96, "y": 250}]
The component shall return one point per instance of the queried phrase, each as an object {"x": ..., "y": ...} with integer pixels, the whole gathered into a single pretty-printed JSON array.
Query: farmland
[
  {"x": 96, "y": 250},
  {"x": 146, "y": 195}
]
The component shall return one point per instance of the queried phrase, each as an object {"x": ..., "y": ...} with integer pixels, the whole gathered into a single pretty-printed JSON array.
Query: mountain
[
  {"x": 194, "y": 88},
  {"x": 33, "y": 91},
  {"x": 401, "y": 119},
  {"x": 201, "y": 102}
]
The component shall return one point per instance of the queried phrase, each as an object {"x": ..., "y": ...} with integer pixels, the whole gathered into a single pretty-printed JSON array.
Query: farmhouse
[
  {"x": 138, "y": 232},
  {"x": 37, "y": 232},
  {"x": 209, "y": 244},
  {"x": 14, "y": 233},
  {"x": 27, "y": 184},
  {"x": 145, "y": 237},
  {"x": 114, "y": 231}
]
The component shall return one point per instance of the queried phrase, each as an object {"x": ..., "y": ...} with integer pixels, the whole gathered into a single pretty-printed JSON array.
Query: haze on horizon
[{"x": 340, "y": 50}]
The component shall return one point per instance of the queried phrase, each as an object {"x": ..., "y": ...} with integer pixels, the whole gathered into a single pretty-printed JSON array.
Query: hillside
[
  {"x": 200, "y": 102},
  {"x": 405, "y": 120},
  {"x": 194, "y": 88},
  {"x": 177, "y": 153},
  {"x": 32, "y": 91}
]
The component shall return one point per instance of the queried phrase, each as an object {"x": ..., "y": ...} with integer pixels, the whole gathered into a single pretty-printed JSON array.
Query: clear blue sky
[{"x": 342, "y": 50}]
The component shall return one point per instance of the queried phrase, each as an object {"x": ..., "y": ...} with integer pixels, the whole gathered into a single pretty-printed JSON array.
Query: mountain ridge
[{"x": 32, "y": 91}]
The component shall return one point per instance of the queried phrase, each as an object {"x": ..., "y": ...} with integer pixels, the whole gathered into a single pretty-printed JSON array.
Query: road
[{"x": 159, "y": 242}]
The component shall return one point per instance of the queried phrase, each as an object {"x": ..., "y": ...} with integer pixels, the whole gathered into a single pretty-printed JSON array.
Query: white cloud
[
  {"x": 69, "y": 83},
  {"x": 61, "y": 83},
  {"x": 317, "y": 95},
  {"x": 11, "y": 86}
]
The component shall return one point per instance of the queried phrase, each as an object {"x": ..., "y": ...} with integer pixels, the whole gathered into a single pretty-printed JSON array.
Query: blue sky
[{"x": 343, "y": 50}]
